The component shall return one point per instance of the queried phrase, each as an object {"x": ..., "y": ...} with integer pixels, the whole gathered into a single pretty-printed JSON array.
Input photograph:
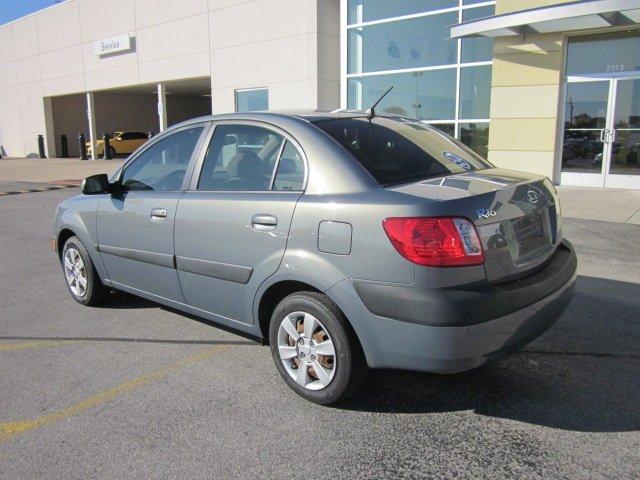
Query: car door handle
[
  {"x": 158, "y": 213},
  {"x": 264, "y": 222}
]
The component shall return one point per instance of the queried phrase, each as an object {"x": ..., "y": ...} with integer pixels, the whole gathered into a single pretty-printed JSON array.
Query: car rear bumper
[{"x": 464, "y": 342}]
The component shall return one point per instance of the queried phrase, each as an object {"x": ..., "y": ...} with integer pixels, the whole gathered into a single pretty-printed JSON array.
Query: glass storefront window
[
  {"x": 475, "y": 136},
  {"x": 378, "y": 9},
  {"x": 477, "y": 49},
  {"x": 448, "y": 128},
  {"x": 417, "y": 42},
  {"x": 252, "y": 100},
  {"x": 426, "y": 95},
  {"x": 411, "y": 48},
  {"x": 604, "y": 53},
  {"x": 475, "y": 88}
]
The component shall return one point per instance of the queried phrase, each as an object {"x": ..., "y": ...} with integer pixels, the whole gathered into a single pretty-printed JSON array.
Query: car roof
[{"x": 311, "y": 116}]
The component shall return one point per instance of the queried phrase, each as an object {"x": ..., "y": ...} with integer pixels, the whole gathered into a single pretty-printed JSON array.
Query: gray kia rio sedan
[{"x": 346, "y": 240}]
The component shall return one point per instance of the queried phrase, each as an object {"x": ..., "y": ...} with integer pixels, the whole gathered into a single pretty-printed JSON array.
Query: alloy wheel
[
  {"x": 75, "y": 272},
  {"x": 306, "y": 350}
]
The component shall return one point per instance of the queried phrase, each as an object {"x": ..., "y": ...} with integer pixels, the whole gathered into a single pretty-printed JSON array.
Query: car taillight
[{"x": 435, "y": 242}]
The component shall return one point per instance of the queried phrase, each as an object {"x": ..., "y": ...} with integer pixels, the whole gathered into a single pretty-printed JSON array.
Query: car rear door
[
  {"x": 135, "y": 226},
  {"x": 233, "y": 222}
]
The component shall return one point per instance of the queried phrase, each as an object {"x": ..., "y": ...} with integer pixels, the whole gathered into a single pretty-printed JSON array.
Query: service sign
[{"x": 112, "y": 45}]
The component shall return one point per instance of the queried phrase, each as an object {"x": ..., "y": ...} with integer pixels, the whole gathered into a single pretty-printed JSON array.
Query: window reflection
[
  {"x": 418, "y": 42},
  {"x": 586, "y": 105},
  {"x": 477, "y": 49},
  {"x": 604, "y": 53},
  {"x": 377, "y": 9},
  {"x": 252, "y": 100},
  {"x": 448, "y": 128},
  {"x": 475, "y": 85},
  {"x": 475, "y": 136},
  {"x": 423, "y": 95}
]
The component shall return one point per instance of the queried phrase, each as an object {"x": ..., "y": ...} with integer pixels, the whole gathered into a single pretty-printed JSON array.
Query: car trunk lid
[{"x": 516, "y": 214}]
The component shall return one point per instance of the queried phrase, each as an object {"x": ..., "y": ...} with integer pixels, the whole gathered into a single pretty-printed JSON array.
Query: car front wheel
[
  {"x": 81, "y": 277},
  {"x": 315, "y": 350}
]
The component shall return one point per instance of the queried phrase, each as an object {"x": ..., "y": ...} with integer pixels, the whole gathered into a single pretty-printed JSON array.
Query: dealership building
[{"x": 544, "y": 86}]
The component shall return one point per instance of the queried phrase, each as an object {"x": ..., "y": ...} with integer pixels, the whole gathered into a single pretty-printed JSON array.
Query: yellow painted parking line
[
  {"x": 11, "y": 429},
  {"x": 10, "y": 347}
]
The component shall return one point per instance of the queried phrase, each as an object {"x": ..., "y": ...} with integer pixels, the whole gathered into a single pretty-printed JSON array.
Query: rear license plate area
[{"x": 531, "y": 232}]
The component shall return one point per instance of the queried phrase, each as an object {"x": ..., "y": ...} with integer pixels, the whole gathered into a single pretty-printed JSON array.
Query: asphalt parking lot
[{"x": 133, "y": 389}]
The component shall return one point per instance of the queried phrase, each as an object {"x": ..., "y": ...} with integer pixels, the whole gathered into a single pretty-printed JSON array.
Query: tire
[
  {"x": 112, "y": 152},
  {"x": 94, "y": 292},
  {"x": 347, "y": 368}
]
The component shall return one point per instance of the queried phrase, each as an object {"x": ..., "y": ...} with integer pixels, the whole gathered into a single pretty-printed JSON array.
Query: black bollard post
[
  {"x": 106, "y": 154},
  {"x": 64, "y": 146},
  {"x": 41, "y": 146},
  {"x": 82, "y": 145}
]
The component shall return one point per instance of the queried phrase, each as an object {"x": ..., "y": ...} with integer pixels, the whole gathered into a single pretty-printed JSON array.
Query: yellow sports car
[{"x": 120, "y": 143}]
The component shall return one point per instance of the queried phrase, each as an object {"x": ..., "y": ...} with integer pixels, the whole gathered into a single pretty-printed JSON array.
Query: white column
[
  {"x": 343, "y": 54},
  {"x": 162, "y": 107},
  {"x": 49, "y": 137},
  {"x": 91, "y": 117}
]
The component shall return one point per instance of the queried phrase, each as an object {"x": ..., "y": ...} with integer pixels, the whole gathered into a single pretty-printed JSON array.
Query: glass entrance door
[
  {"x": 586, "y": 105},
  {"x": 601, "y": 138},
  {"x": 624, "y": 164}
]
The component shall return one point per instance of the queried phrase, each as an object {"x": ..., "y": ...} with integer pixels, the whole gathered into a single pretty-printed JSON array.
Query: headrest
[{"x": 245, "y": 165}]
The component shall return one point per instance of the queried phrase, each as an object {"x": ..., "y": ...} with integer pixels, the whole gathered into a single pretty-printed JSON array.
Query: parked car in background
[
  {"x": 346, "y": 240},
  {"x": 121, "y": 143}
]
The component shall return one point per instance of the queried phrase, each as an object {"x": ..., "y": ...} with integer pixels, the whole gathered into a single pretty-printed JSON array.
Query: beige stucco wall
[
  {"x": 525, "y": 96},
  {"x": 290, "y": 46},
  {"x": 297, "y": 58}
]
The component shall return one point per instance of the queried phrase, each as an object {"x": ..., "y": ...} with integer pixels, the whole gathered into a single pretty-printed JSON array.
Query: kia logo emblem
[{"x": 532, "y": 196}]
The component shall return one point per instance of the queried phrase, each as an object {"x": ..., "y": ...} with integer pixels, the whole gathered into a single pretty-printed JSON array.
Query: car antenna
[{"x": 371, "y": 112}]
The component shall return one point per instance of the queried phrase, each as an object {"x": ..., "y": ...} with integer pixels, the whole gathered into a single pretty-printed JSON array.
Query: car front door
[
  {"x": 233, "y": 222},
  {"x": 135, "y": 225}
]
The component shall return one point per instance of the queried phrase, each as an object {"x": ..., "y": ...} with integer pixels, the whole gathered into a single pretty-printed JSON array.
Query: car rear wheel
[
  {"x": 315, "y": 350},
  {"x": 80, "y": 275}
]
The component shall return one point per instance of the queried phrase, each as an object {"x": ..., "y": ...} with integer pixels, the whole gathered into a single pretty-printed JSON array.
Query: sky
[{"x": 12, "y": 9}]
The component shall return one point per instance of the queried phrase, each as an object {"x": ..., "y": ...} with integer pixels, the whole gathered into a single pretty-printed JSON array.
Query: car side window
[
  {"x": 290, "y": 173},
  {"x": 162, "y": 166},
  {"x": 240, "y": 158}
]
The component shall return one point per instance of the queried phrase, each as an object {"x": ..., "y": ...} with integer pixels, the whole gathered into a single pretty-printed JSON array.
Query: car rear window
[{"x": 398, "y": 151}]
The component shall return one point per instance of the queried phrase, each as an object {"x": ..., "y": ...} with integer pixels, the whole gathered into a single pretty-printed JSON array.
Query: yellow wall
[{"x": 525, "y": 96}]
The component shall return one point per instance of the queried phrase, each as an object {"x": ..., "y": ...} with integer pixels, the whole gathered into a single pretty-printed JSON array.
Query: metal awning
[{"x": 582, "y": 15}]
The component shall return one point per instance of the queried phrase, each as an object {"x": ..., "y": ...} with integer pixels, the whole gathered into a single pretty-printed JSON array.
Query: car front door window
[{"x": 162, "y": 166}]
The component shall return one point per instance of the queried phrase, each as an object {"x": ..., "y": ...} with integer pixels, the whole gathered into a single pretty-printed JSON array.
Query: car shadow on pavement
[
  {"x": 121, "y": 300},
  {"x": 582, "y": 375}
]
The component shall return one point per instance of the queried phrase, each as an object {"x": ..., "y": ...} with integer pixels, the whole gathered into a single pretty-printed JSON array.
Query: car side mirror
[{"x": 96, "y": 184}]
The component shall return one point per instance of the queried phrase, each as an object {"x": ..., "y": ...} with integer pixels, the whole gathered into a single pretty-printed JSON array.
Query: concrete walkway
[
  {"x": 609, "y": 205},
  {"x": 53, "y": 170}
]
